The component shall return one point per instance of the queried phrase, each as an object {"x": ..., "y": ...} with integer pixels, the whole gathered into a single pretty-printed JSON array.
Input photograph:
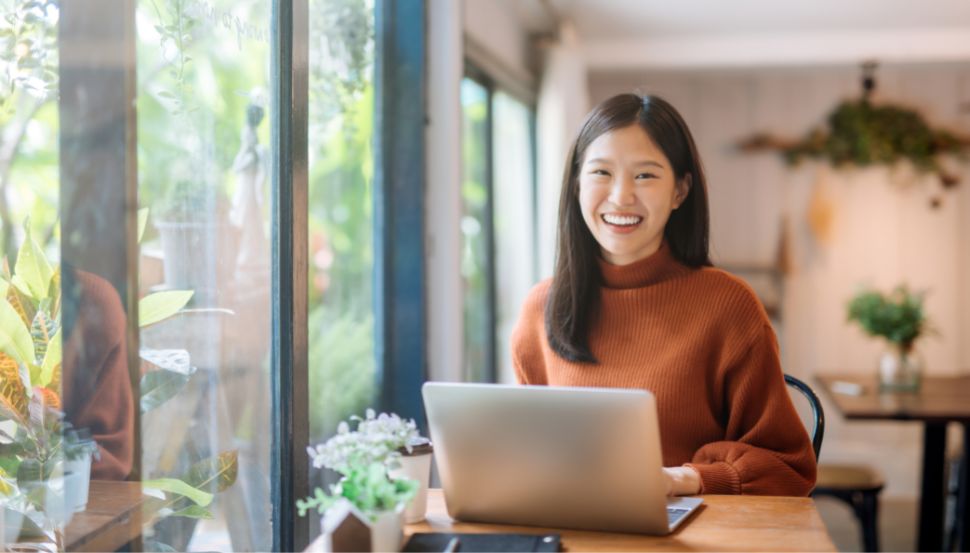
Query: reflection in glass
[{"x": 203, "y": 75}]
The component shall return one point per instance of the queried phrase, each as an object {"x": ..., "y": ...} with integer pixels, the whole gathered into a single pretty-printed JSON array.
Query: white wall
[
  {"x": 883, "y": 231},
  {"x": 492, "y": 25}
]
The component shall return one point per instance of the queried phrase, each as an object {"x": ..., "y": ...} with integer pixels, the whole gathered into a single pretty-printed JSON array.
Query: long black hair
[{"x": 574, "y": 293}]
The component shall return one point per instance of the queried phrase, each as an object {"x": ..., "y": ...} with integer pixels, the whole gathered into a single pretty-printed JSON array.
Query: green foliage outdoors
[
  {"x": 342, "y": 358},
  {"x": 28, "y": 117},
  {"x": 897, "y": 316}
]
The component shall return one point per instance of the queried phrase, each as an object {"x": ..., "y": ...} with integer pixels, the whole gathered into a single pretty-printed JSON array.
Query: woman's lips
[{"x": 621, "y": 223}]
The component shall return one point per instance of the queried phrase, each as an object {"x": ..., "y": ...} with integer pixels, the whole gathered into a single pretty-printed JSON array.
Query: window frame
[
  {"x": 399, "y": 273},
  {"x": 492, "y": 85}
]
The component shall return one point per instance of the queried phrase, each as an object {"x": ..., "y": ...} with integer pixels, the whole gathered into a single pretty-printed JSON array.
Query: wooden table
[
  {"x": 112, "y": 517},
  {"x": 940, "y": 400},
  {"x": 723, "y": 523}
]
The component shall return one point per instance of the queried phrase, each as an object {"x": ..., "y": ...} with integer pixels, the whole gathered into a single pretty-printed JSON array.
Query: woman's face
[{"x": 627, "y": 190}]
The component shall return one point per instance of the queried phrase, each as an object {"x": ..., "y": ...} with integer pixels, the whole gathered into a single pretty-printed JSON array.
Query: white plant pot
[
  {"x": 415, "y": 467},
  {"x": 77, "y": 482},
  {"x": 387, "y": 532}
]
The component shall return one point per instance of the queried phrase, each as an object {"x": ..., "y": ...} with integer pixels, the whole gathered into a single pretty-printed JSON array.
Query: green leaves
[
  {"x": 32, "y": 273},
  {"x": 159, "y": 306},
  {"x": 176, "y": 486},
  {"x": 369, "y": 488},
  {"x": 51, "y": 362},
  {"x": 897, "y": 316},
  {"x": 15, "y": 339},
  {"x": 219, "y": 470},
  {"x": 159, "y": 386}
]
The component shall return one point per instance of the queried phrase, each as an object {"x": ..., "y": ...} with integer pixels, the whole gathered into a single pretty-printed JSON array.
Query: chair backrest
[{"x": 818, "y": 414}]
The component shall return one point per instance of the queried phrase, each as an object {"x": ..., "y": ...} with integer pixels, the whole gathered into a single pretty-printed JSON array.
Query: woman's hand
[{"x": 682, "y": 481}]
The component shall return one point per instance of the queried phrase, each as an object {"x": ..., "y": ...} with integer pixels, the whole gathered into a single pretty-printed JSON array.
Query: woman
[{"x": 635, "y": 303}]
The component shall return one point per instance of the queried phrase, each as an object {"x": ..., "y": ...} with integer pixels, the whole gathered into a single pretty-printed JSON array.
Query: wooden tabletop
[
  {"x": 723, "y": 523},
  {"x": 939, "y": 399},
  {"x": 112, "y": 517}
]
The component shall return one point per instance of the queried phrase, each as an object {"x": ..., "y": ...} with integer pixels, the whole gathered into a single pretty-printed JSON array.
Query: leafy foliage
[
  {"x": 367, "y": 487},
  {"x": 897, "y": 316},
  {"x": 863, "y": 134}
]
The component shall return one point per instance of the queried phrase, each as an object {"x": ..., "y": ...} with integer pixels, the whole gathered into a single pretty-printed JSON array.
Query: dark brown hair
[{"x": 574, "y": 294}]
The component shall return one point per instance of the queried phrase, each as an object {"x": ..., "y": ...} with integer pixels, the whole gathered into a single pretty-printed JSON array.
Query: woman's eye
[
  {"x": 600, "y": 172},
  {"x": 646, "y": 176}
]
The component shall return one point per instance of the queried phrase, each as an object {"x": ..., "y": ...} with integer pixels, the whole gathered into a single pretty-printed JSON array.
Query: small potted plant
[
  {"x": 380, "y": 464},
  {"x": 899, "y": 318}
]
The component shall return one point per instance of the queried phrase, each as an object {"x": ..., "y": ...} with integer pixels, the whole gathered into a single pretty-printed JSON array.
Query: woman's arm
[{"x": 766, "y": 449}]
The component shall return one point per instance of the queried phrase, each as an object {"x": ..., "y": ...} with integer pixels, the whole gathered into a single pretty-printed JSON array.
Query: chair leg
[
  {"x": 865, "y": 505},
  {"x": 868, "y": 513}
]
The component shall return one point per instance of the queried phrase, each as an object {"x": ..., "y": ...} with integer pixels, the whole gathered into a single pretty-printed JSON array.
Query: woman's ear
[{"x": 683, "y": 189}]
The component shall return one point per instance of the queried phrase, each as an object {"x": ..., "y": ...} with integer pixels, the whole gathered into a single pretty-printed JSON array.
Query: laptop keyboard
[{"x": 674, "y": 514}]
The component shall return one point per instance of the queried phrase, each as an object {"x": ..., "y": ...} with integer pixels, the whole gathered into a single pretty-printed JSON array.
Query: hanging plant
[{"x": 860, "y": 133}]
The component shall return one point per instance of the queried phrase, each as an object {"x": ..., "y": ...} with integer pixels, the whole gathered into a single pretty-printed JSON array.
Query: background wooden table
[
  {"x": 940, "y": 400},
  {"x": 723, "y": 523}
]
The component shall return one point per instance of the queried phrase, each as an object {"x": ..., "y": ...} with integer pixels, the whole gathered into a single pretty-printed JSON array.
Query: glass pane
[
  {"x": 203, "y": 134},
  {"x": 514, "y": 219},
  {"x": 32, "y": 463},
  {"x": 474, "y": 230},
  {"x": 342, "y": 356}
]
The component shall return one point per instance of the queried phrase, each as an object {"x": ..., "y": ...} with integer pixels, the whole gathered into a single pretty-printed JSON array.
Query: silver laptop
[{"x": 586, "y": 458}]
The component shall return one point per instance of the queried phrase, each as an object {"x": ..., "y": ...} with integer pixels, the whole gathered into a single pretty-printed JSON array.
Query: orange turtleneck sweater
[{"x": 700, "y": 340}]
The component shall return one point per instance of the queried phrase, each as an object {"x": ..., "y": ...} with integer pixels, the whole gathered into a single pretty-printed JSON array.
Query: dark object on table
[{"x": 483, "y": 542}]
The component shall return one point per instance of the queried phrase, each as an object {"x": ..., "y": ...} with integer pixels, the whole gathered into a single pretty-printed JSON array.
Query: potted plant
[
  {"x": 45, "y": 463},
  {"x": 899, "y": 318},
  {"x": 384, "y": 466}
]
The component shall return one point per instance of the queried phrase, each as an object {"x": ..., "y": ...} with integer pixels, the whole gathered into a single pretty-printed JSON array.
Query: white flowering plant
[
  {"x": 378, "y": 439},
  {"x": 362, "y": 457}
]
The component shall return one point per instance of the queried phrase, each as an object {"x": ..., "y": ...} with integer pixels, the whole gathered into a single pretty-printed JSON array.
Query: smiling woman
[{"x": 635, "y": 303}]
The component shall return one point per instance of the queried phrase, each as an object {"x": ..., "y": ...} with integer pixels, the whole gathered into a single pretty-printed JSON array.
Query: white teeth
[{"x": 622, "y": 220}]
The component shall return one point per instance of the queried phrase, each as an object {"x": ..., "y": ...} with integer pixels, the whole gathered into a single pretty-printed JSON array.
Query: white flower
[{"x": 378, "y": 439}]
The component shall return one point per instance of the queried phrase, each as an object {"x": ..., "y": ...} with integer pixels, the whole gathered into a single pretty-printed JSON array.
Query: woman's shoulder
[
  {"x": 730, "y": 291},
  {"x": 535, "y": 300}
]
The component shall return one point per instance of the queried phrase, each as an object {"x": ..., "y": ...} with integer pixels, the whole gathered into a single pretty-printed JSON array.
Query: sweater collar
[{"x": 654, "y": 268}]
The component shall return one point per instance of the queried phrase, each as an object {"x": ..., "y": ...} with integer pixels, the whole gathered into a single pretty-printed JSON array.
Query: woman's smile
[{"x": 621, "y": 223}]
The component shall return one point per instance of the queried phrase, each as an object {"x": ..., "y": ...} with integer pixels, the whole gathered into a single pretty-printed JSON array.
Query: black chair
[
  {"x": 818, "y": 414},
  {"x": 857, "y": 485}
]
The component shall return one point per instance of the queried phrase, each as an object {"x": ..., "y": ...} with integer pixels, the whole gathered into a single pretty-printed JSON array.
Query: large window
[
  {"x": 144, "y": 170},
  {"x": 497, "y": 224},
  {"x": 203, "y": 178}
]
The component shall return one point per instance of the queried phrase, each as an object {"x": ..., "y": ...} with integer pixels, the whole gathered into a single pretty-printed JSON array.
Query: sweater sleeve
[{"x": 766, "y": 449}]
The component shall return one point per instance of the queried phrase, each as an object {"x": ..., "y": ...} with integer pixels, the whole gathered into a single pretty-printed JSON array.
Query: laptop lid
[{"x": 559, "y": 457}]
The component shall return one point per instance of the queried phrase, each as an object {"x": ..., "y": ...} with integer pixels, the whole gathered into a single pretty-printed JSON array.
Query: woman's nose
[{"x": 622, "y": 191}]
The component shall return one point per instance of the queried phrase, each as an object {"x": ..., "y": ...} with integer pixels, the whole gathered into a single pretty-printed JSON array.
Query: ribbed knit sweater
[
  {"x": 700, "y": 340},
  {"x": 96, "y": 387}
]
